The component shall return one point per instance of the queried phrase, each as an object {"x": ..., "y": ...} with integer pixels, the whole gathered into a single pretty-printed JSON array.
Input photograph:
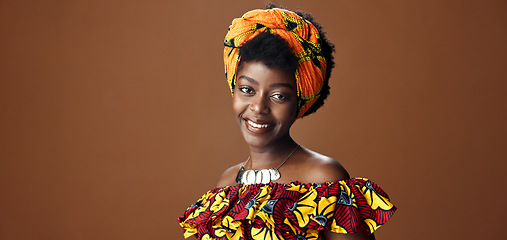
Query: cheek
[
  {"x": 292, "y": 117},
  {"x": 288, "y": 114},
  {"x": 238, "y": 106},
  {"x": 292, "y": 109}
]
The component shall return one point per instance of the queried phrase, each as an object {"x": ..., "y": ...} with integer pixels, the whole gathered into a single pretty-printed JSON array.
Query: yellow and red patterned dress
[{"x": 288, "y": 211}]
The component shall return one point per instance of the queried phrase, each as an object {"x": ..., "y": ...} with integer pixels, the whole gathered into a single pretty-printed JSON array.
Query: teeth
[{"x": 256, "y": 125}]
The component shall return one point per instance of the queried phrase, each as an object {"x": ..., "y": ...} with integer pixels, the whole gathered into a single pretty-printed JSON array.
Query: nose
[{"x": 259, "y": 104}]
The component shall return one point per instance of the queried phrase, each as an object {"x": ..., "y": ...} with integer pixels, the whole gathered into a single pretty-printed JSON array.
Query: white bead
[
  {"x": 249, "y": 177},
  {"x": 274, "y": 173},
  {"x": 265, "y": 176},
  {"x": 258, "y": 176}
]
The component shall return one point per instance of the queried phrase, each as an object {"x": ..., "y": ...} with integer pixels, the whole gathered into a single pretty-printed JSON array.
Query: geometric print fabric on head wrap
[{"x": 303, "y": 40}]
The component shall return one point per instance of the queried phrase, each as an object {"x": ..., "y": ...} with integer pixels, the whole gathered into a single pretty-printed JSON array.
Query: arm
[{"x": 330, "y": 170}]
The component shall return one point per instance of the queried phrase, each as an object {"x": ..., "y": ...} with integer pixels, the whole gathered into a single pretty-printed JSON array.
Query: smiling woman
[{"x": 278, "y": 64}]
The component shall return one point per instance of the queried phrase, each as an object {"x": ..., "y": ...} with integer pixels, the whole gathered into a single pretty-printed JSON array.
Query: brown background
[{"x": 116, "y": 116}]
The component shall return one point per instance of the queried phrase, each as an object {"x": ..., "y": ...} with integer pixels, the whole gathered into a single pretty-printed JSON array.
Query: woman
[{"x": 277, "y": 64}]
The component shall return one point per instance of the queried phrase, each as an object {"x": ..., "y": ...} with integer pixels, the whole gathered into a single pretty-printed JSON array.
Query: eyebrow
[
  {"x": 249, "y": 79},
  {"x": 272, "y": 85}
]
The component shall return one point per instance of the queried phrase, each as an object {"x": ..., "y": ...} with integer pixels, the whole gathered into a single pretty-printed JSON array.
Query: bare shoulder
[
  {"x": 228, "y": 177},
  {"x": 321, "y": 168}
]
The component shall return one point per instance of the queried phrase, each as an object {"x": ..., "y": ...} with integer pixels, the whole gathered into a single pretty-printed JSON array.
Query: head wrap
[{"x": 302, "y": 37}]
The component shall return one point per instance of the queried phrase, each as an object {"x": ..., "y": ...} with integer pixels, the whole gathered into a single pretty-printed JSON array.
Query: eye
[
  {"x": 246, "y": 90},
  {"x": 278, "y": 96}
]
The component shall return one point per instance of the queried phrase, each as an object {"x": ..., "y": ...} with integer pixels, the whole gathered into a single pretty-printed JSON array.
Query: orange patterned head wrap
[{"x": 302, "y": 37}]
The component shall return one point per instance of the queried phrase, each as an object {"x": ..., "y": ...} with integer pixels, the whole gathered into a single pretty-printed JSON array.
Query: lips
[{"x": 258, "y": 127}]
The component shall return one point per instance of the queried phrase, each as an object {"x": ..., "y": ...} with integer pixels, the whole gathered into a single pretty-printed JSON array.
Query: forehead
[{"x": 259, "y": 73}]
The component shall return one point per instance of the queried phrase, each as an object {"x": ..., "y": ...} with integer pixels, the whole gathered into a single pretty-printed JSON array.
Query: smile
[
  {"x": 258, "y": 128},
  {"x": 257, "y": 125}
]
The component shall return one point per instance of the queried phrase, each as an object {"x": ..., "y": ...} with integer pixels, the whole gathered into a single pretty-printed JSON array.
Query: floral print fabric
[{"x": 288, "y": 211}]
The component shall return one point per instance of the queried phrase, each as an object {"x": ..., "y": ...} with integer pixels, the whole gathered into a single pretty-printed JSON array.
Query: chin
[
  {"x": 255, "y": 141},
  {"x": 260, "y": 140}
]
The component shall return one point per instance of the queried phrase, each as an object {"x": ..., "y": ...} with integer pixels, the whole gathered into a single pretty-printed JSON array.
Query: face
[{"x": 265, "y": 103}]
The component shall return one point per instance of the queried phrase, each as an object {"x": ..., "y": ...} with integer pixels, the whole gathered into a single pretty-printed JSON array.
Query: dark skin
[{"x": 265, "y": 107}]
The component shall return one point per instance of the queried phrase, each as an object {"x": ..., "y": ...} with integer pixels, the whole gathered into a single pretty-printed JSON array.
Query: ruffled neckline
[
  {"x": 283, "y": 184},
  {"x": 354, "y": 205}
]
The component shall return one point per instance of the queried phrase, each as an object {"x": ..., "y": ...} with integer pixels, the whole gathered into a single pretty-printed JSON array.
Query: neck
[{"x": 272, "y": 155}]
